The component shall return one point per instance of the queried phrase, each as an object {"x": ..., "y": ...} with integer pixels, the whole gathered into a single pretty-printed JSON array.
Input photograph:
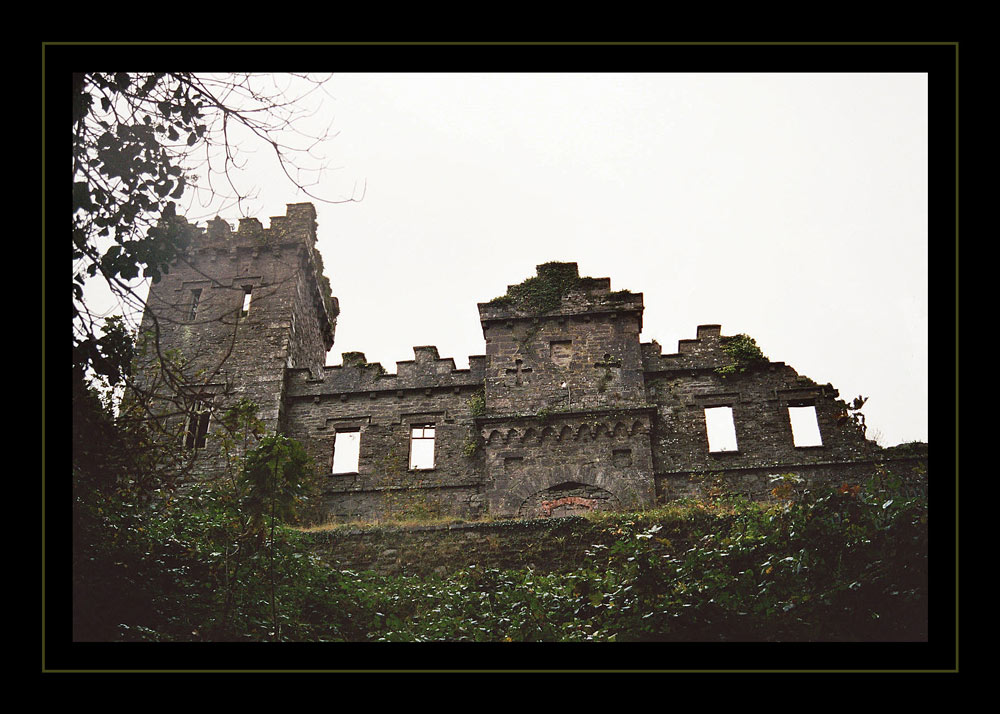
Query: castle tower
[
  {"x": 567, "y": 426},
  {"x": 233, "y": 314}
]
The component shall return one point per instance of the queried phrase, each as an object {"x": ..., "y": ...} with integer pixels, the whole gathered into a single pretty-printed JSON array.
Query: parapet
[
  {"x": 427, "y": 371},
  {"x": 558, "y": 289},
  {"x": 296, "y": 230},
  {"x": 706, "y": 351},
  {"x": 297, "y": 225}
]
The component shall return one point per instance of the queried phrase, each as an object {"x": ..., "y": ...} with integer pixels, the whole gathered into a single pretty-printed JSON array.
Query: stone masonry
[{"x": 565, "y": 412}]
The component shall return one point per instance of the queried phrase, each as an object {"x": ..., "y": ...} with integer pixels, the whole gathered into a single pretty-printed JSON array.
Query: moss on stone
[
  {"x": 544, "y": 292},
  {"x": 744, "y": 352}
]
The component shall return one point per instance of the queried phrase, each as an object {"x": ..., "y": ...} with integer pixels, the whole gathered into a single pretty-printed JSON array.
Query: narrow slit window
[
  {"x": 805, "y": 426},
  {"x": 195, "y": 299},
  {"x": 245, "y": 310},
  {"x": 721, "y": 429},
  {"x": 422, "y": 447},
  {"x": 197, "y": 426},
  {"x": 346, "y": 451}
]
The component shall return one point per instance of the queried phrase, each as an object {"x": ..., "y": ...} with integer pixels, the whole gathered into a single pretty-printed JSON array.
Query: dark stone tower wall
[{"x": 224, "y": 355}]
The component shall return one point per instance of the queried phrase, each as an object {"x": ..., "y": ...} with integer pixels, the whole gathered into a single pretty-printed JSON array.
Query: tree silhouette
[{"x": 142, "y": 143}]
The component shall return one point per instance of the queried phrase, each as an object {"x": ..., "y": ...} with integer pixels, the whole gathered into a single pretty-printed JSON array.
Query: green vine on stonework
[
  {"x": 471, "y": 445},
  {"x": 544, "y": 292},
  {"x": 544, "y": 413},
  {"x": 477, "y": 403},
  {"x": 744, "y": 352}
]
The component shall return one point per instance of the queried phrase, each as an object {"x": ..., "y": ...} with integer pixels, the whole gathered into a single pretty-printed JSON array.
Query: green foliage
[
  {"x": 206, "y": 560},
  {"x": 744, "y": 352},
  {"x": 126, "y": 176},
  {"x": 213, "y": 561},
  {"x": 273, "y": 477},
  {"x": 477, "y": 403},
  {"x": 544, "y": 292},
  {"x": 851, "y": 415},
  {"x": 471, "y": 445},
  {"x": 185, "y": 570},
  {"x": 140, "y": 141}
]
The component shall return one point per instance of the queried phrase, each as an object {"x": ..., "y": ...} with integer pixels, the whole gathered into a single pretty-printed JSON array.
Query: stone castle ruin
[{"x": 566, "y": 411}]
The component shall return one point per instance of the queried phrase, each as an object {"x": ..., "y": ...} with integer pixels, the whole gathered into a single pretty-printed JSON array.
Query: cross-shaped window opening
[{"x": 519, "y": 372}]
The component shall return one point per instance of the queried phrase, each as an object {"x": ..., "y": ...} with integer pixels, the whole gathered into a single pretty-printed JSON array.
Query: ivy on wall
[{"x": 744, "y": 352}]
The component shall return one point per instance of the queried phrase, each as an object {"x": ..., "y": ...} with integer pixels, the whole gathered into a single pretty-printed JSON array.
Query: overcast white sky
[{"x": 791, "y": 207}]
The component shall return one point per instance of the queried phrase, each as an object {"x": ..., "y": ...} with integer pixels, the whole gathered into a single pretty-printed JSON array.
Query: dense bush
[{"x": 845, "y": 564}]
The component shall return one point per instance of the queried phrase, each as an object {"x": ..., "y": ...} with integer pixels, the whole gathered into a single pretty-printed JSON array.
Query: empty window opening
[
  {"x": 346, "y": 451},
  {"x": 805, "y": 426},
  {"x": 422, "y": 447},
  {"x": 247, "y": 290},
  {"x": 197, "y": 426},
  {"x": 721, "y": 429},
  {"x": 195, "y": 299}
]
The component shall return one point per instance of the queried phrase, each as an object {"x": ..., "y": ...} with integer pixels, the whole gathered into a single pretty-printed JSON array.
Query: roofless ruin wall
[{"x": 566, "y": 411}]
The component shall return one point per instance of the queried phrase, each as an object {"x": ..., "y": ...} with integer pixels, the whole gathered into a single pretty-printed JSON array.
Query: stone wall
[
  {"x": 565, "y": 412},
  {"x": 383, "y": 408},
  {"x": 194, "y": 322},
  {"x": 550, "y": 545},
  {"x": 532, "y": 460},
  {"x": 685, "y": 384}
]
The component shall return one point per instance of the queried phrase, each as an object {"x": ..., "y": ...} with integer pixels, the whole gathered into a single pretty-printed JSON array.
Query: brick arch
[{"x": 567, "y": 498}]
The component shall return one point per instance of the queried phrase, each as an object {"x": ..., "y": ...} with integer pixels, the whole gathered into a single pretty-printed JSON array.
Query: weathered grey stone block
[{"x": 564, "y": 412}]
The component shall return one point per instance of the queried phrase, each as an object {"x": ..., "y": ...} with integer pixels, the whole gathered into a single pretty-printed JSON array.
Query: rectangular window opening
[
  {"x": 195, "y": 299},
  {"x": 721, "y": 429},
  {"x": 247, "y": 290},
  {"x": 346, "y": 451},
  {"x": 197, "y": 426},
  {"x": 422, "y": 447},
  {"x": 805, "y": 426}
]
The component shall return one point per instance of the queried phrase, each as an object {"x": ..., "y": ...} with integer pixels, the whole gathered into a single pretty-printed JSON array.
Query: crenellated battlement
[
  {"x": 298, "y": 225},
  {"x": 566, "y": 410},
  {"x": 706, "y": 351},
  {"x": 427, "y": 371}
]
